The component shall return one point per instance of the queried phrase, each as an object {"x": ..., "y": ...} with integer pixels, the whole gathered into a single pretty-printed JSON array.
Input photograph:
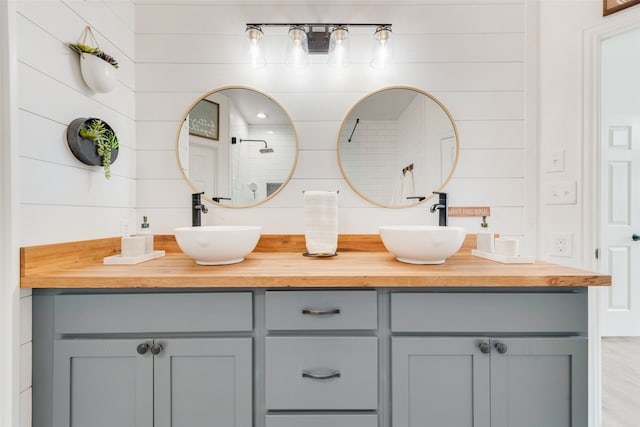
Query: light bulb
[
  {"x": 339, "y": 51},
  {"x": 254, "y": 47},
  {"x": 382, "y": 52},
  {"x": 297, "y": 47}
]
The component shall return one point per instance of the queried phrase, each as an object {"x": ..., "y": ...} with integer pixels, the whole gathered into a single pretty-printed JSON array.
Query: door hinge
[{"x": 598, "y": 253}]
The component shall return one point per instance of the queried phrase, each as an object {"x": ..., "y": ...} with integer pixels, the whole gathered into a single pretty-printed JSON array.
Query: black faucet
[
  {"x": 443, "y": 207},
  {"x": 197, "y": 209}
]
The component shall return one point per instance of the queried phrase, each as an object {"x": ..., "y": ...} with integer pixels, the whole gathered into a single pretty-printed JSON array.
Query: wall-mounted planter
[
  {"x": 85, "y": 149},
  {"x": 98, "y": 68},
  {"x": 97, "y": 73}
]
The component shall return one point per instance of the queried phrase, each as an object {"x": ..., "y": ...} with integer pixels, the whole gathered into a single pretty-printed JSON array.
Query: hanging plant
[
  {"x": 97, "y": 67},
  {"x": 83, "y": 48},
  {"x": 93, "y": 142}
]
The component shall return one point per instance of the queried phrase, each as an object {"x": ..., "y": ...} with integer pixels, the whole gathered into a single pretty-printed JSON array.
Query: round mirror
[
  {"x": 238, "y": 146},
  {"x": 397, "y": 146}
]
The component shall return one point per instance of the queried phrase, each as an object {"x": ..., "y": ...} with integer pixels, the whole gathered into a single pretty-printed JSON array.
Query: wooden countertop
[{"x": 278, "y": 262}]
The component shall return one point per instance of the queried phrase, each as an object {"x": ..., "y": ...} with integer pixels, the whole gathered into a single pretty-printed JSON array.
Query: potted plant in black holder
[{"x": 93, "y": 142}]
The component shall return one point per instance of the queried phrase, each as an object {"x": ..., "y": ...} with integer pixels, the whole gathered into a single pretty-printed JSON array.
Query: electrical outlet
[{"x": 561, "y": 244}]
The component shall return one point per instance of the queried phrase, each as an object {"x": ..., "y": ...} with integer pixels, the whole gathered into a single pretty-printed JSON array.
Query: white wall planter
[{"x": 97, "y": 73}]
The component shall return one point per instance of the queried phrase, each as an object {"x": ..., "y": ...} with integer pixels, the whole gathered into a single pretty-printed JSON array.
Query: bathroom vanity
[{"x": 282, "y": 340}]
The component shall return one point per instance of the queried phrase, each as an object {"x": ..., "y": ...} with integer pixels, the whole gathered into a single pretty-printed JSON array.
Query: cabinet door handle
[
  {"x": 156, "y": 349},
  {"x": 317, "y": 312},
  {"x": 501, "y": 347},
  {"x": 635, "y": 237},
  {"x": 321, "y": 375},
  {"x": 485, "y": 347},
  {"x": 142, "y": 348}
]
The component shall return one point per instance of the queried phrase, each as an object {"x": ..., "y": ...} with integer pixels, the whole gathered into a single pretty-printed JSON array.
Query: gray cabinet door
[
  {"x": 203, "y": 382},
  {"x": 102, "y": 383},
  {"x": 440, "y": 382},
  {"x": 539, "y": 382}
]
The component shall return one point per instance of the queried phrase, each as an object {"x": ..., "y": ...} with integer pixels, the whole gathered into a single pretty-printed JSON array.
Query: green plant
[
  {"x": 83, "y": 48},
  {"x": 96, "y": 130}
]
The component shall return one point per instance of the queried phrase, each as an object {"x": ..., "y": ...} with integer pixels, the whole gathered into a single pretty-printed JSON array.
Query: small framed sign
[
  {"x": 612, "y": 6},
  {"x": 204, "y": 120}
]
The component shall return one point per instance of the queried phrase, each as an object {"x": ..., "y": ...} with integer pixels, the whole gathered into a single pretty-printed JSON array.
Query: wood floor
[{"x": 620, "y": 382}]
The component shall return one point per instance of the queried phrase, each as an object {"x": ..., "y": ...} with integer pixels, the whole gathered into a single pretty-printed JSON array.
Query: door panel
[
  {"x": 102, "y": 383},
  {"x": 439, "y": 382},
  {"x": 539, "y": 382},
  {"x": 202, "y": 158},
  {"x": 619, "y": 170},
  {"x": 203, "y": 382}
]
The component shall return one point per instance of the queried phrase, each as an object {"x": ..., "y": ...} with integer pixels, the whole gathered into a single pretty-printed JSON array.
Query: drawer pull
[
  {"x": 316, "y": 312},
  {"x": 321, "y": 375}
]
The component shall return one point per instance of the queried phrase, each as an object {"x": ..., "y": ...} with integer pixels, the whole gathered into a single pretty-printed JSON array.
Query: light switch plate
[
  {"x": 560, "y": 193},
  {"x": 554, "y": 160}
]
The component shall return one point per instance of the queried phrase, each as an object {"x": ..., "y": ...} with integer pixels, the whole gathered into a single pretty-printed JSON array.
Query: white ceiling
[
  {"x": 250, "y": 103},
  {"x": 384, "y": 105}
]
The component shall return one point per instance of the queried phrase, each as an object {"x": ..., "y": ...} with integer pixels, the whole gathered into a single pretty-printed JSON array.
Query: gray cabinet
[
  {"x": 321, "y": 358},
  {"x": 203, "y": 382},
  {"x": 539, "y": 382},
  {"x": 101, "y": 383},
  {"x": 321, "y": 310},
  {"x": 442, "y": 380},
  {"x": 482, "y": 382},
  {"x": 323, "y": 420},
  {"x": 190, "y": 382},
  {"x": 321, "y": 373},
  {"x": 143, "y": 359},
  {"x": 310, "y": 358},
  {"x": 489, "y": 359}
]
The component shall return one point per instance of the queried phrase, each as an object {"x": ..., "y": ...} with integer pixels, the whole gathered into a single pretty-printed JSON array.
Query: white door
[
  {"x": 202, "y": 167},
  {"x": 620, "y": 183}
]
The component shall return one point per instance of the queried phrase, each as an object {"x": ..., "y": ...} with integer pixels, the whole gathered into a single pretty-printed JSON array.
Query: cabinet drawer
[
  {"x": 313, "y": 310},
  {"x": 321, "y": 373},
  {"x": 153, "y": 313},
  {"x": 343, "y": 420},
  {"x": 489, "y": 312}
]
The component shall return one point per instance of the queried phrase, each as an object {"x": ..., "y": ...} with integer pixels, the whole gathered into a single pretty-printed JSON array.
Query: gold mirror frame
[
  {"x": 272, "y": 100},
  {"x": 427, "y": 196}
]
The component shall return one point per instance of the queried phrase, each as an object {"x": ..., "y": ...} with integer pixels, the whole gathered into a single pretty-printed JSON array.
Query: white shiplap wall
[
  {"x": 61, "y": 199},
  {"x": 470, "y": 56}
]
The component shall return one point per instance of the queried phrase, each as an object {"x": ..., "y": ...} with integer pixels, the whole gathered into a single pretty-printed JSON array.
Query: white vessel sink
[
  {"x": 218, "y": 244},
  {"x": 422, "y": 244}
]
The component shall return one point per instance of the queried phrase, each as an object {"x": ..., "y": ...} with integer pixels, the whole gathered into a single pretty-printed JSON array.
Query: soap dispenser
[
  {"x": 485, "y": 238},
  {"x": 145, "y": 231}
]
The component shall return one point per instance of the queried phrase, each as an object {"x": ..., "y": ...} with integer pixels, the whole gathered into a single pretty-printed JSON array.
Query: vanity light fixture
[{"x": 330, "y": 39}]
